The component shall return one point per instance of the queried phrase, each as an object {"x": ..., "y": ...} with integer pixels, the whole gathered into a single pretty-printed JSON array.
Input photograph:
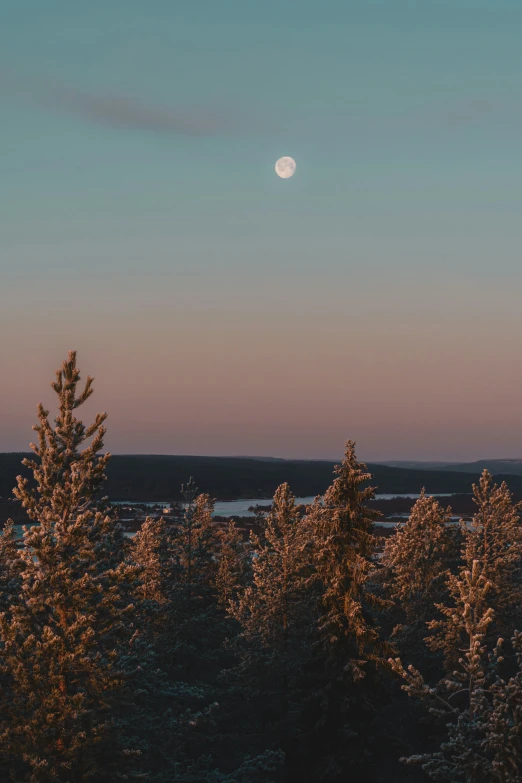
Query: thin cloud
[
  {"x": 119, "y": 111},
  {"x": 474, "y": 111}
]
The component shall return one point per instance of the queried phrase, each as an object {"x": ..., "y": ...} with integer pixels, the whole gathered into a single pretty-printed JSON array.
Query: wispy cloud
[
  {"x": 119, "y": 111},
  {"x": 477, "y": 110}
]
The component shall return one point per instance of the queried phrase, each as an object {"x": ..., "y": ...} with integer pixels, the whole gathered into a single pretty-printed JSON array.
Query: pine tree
[
  {"x": 503, "y": 721},
  {"x": 415, "y": 567},
  {"x": 418, "y": 556},
  {"x": 274, "y": 610},
  {"x": 481, "y": 711},
  {"x": 187, "y": 627},
  {"x": 197, "y": 622},
  {"x": 234, "y": 565},
  {"x": 343, "y": 552},
  {"x": 342, "y": 678},
  {"x": 70, "y": 648},
  {"x": 151, "y": 551},
  {"x": 269, "y": 609},
  {"x": 494, "y": 539},
  {"x": 275, "y": 615}
]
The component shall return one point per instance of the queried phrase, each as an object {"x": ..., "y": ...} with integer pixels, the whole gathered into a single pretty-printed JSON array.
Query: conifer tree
[
  {"x": 343, "y": 552},
  {"x": 234, "y": 565},
  {"x": 151, "y": 550},
  {"x": 270, "y": 607},
  {"x": 274, "y": 610},
  {"x": 197, "y": 622},
  {"x": 494, "y": 539},
  {"x": 481, "y": 711},
  {"x": 415, "y": 567},
  {"x": 276, "y": 619},
  {"x": 417, "y": 558},
  {"x": 183, "y": 628},
  {"x": 342, "y": 678},
  {"x": 190, "y": 572},
  {"x": 70, "y": 648},
  {"x": 179, "y": 573}
]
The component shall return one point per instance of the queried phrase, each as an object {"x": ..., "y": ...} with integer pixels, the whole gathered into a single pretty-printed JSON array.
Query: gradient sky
[{"x": 376, "y": 295}]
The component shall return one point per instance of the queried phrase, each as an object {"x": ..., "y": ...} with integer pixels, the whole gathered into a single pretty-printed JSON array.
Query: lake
[{"x": 239, "y": 508}]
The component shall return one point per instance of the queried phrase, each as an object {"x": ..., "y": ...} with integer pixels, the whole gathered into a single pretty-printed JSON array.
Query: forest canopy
[{"x": 186, "y": 653}]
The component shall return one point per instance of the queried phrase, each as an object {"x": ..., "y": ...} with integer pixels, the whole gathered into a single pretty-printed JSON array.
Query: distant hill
[
  {"x": 148, "y": 477},
  {"x": 260, "y": 459},
  {"x": 495, "y": 466},
  {"x": 416, "y": 465}
]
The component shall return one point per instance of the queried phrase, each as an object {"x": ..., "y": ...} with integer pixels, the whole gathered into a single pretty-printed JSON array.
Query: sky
[{"x": 375, "y": 295}]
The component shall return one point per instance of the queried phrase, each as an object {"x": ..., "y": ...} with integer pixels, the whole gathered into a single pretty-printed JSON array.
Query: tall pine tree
[
  {"x": 336, "y": 729},
  {"x": 343, "y": 542},
  {"x": 71, "y": 656},
  {"x": 494, "y": 539}
]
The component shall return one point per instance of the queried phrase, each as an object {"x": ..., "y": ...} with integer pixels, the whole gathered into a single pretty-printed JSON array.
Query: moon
[{"x": 285, "y": 167}]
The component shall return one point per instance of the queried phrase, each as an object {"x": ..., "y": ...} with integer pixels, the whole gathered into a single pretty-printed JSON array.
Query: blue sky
[{"x": 402, "y": 220}]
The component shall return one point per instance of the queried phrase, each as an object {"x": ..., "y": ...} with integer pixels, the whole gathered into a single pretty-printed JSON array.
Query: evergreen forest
[{"x": 302, "y": 654}]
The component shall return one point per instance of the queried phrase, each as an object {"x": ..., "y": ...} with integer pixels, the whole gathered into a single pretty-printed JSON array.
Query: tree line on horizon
[
  {"x": 187, "y": 654},
  {"x": 146, "y": 477}
]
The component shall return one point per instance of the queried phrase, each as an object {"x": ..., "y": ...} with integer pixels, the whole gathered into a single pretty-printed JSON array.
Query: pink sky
[{"x": 414, "y": 375}]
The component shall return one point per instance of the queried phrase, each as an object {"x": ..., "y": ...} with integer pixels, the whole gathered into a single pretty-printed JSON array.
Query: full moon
[{"x": 285, "y": 167}]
